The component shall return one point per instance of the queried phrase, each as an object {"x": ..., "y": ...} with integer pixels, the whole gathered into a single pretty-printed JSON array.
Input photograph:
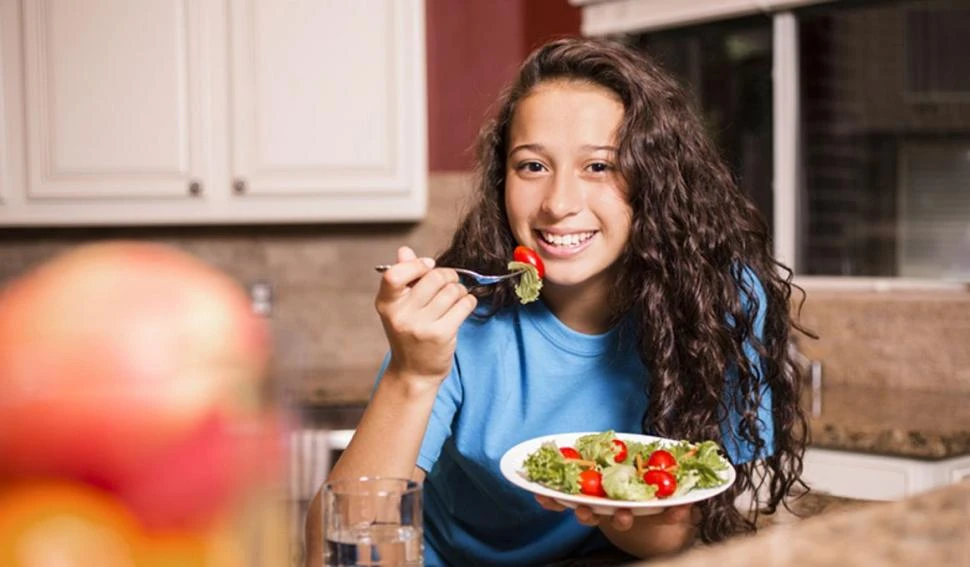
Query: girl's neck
[{"x": 583, "y": 308}]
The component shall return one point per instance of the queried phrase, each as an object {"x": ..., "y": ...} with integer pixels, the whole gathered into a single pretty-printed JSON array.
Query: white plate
[{"x": 511, "y": 466}]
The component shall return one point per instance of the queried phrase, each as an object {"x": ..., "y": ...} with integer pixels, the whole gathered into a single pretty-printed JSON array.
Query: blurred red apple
[{"x": 137, "y": 368}]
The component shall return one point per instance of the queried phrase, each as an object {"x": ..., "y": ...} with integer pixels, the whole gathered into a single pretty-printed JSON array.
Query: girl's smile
[{"x": 562, "y": 244}]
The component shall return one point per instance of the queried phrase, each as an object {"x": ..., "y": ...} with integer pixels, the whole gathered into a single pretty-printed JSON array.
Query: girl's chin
[{"x": 574, "y": 277}]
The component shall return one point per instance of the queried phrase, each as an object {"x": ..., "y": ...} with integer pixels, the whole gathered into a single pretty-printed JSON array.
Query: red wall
[{"x": 473, "y": 49}]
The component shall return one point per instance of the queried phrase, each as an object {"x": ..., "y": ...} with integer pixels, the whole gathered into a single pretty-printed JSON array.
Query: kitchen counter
[
  {"x": 809, "y": 505},
  {"x": 930, "y": 529},
  {"x": 330, "y": 388}
]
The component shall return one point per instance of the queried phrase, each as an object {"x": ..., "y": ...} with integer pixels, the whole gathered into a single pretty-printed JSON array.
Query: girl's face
[{"x": 563, "y": 192}]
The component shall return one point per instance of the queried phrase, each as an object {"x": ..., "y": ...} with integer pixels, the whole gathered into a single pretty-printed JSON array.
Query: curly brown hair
[{"x": 678, "y": 278}]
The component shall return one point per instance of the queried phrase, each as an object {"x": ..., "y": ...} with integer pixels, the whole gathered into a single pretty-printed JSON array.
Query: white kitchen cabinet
[
  {"x": 115, "y": 112},
  {"x": 875, "y": 477}
]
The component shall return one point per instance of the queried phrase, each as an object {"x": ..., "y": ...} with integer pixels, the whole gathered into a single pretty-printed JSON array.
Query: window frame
[{"x": 788, "y": 183}]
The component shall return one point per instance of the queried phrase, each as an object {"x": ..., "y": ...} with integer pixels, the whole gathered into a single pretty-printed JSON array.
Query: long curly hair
[{"x": 678, "y": 278}]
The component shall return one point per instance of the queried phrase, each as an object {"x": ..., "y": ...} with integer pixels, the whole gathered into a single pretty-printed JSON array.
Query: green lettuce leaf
[
  {"x": 622, "y": 482},
  {"x": 598, "y": 447},
  {"x": 704, "y": 463},
  {"x": 529, "y": 284},
  {"x": 634, "y": 448},
  {"x": 547, "y": 467}
]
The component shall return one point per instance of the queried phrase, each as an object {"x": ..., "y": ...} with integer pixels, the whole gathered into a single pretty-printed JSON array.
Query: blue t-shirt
[{"x": 518, "y": 375}]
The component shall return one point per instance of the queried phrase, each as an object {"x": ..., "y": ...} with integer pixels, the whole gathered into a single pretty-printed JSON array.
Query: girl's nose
[{"x": 564, "y": 196}]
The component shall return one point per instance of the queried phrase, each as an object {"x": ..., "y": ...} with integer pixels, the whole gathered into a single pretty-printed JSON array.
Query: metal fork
[{"x": 479, "y": 279}]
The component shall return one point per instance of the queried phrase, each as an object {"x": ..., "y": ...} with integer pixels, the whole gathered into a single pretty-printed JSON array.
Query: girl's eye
[
  {"x": 531, "y": 167},
  {"x": 599, "y": 167}
]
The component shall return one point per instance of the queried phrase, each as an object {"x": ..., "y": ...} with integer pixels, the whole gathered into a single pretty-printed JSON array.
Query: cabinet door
[
  {"x": 10, "y": 152},
  {"x": 111, "y": 110},
  {"x": 327, "y": 109}
]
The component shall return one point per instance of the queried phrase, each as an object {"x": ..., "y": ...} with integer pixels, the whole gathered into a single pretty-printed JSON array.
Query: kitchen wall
[
  {"x": 327, "y": 335},
  {"x": 906, "y": 339},
  {"x": 328, "y": 338}
]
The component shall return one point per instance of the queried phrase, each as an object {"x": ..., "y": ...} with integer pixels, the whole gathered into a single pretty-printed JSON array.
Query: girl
[{"x": 662, "y": 311}]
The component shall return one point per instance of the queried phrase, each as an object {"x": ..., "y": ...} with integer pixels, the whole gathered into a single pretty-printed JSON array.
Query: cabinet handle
[
  {"x": 195, "y": 188},
  {"x": 239, "y": 186}
]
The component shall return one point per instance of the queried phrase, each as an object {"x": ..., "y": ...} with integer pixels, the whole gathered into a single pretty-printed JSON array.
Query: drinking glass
[{"x": 372, "y": 521}]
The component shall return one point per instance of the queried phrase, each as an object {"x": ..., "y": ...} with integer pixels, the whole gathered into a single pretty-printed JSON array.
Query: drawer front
[{"x": 857, "y": 476}]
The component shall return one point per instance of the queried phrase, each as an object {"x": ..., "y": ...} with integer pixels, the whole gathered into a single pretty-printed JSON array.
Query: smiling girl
[{"x": 661, "y": 311}]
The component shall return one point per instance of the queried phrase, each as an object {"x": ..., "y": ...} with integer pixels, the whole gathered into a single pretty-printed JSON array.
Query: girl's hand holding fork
[{"x": 421, "y": 308}]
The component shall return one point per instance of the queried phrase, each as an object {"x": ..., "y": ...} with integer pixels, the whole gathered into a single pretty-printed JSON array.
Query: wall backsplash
[
  {"x": 323, "y": 278},
  {"x": 916, "y": 340},
  {"x": 329, "y": 342}
]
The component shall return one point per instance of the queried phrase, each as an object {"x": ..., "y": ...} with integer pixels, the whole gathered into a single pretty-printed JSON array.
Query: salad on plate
[{"x": 610, "y": 470}]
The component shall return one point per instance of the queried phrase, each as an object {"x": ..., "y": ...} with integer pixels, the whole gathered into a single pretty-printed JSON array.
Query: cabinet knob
[
  {"x": 195, "y": 188},
  {"x": 239, "y": 186}
]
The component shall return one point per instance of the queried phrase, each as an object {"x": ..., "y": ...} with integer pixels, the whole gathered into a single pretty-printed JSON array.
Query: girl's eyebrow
[
  {"x": 539, "y": 148},
  {"x": 593, "y": 148}
]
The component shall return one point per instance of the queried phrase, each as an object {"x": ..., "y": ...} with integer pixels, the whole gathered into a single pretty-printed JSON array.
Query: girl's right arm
[{"x": 421, "y": 309}]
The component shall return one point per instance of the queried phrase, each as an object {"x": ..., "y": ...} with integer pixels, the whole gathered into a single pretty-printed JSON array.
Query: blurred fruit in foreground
[
  {"x": 48, "y": 523},
  {"x": 135, "y": 368},
  {"x": 61, "y": 524}
]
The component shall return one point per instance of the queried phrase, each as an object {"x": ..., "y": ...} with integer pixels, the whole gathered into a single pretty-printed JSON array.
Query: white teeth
[{"x": 567, "y": 240}]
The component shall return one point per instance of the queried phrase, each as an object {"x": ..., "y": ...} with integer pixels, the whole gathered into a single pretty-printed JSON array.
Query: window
[
  {"x": 859, "y": 146},
  {"x": 727, "y": 67}
]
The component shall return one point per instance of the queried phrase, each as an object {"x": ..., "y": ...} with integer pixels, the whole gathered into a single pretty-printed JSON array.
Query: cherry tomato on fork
[
  {"x": 570, "y": 453},
  {"x": 661, "y": 459},
  {"x": 620, "y": 450},
  {"x": 664, "y": 481},
  {"x": 529, "y": 256},
  {"x": 591, "y": 483}
]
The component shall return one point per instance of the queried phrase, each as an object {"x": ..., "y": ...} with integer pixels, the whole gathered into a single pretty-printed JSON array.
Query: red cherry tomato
[
  {"x": 620, "y": 450},
  {"x": 664, "y": 481},
  {"x": 661, "y": 459},
  {"x": 570, "y": 453},
  {"x": 591, "y": 483},
  {"x": 527, "y": 255}
]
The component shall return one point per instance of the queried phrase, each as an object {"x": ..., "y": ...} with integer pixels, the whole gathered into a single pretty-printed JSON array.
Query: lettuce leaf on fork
[{"x": 529, "y": 284}]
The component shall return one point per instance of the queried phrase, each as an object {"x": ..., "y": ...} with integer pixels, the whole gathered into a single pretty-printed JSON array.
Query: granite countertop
[
  {"x": 808, "y": 505},
  {"x": 324, "y": 389},
  {"x": 932, "y": 528},
  {"x": 852, "y": 418}
]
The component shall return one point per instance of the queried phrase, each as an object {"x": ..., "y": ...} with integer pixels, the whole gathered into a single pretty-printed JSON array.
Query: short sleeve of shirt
[
  {"x": 446, "y": 405},
  {"x": 738, "y": 450},
  {"x": 442, "y": 416}
]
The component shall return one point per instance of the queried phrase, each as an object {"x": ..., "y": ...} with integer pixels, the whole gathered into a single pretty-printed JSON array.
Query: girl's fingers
[
  {"x": 586, "y": 516},
  {"x": 405, "y": 254},
  {"x": 430, "y": 286},
  {"x": 397, "y": 279},
  {"x": 549, "y": 503},
  {"x": 622, "y": 520},
  {"x": 459, "y": 311},
  {"x": 676, "y": 514},
  {"x": 441, "y": 308}
]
